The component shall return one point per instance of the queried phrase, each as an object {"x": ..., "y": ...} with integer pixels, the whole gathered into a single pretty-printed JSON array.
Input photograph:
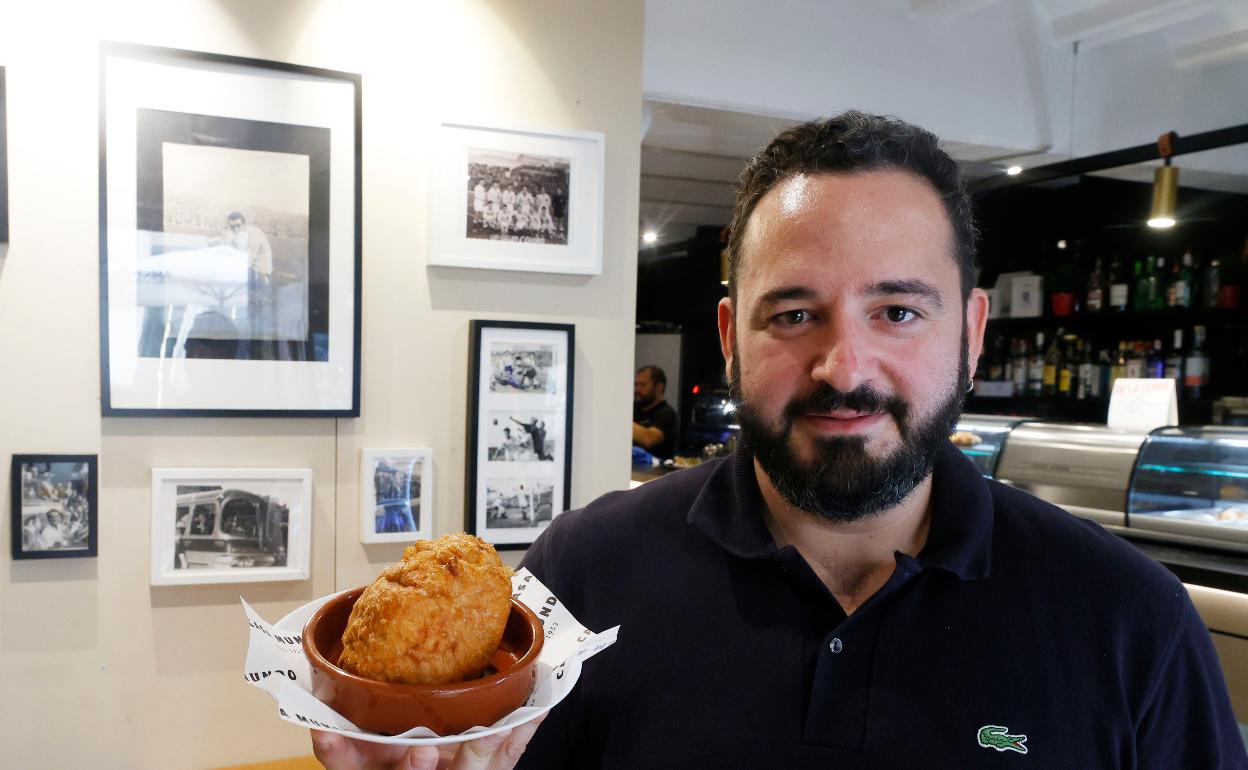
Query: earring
[{"x": 970, "y": 385}]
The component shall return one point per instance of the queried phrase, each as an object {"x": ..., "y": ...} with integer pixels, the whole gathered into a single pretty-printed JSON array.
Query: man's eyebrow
[
  {"x": 912, "y": 286},
  {"x": 785, "y": 293}
]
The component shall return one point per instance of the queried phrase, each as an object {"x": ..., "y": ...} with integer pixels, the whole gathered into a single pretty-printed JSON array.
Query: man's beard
[{"x": 842, "y": 481}]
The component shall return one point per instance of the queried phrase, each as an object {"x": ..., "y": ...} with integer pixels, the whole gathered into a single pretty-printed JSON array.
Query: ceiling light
[
  {"x": 1014, "y": 170},
  {"x": 1165, "y": 195},
  {"x": 1165, "y": 185},
  {"x": 1061, "y": 244},
  {"x": 649, "y": 236}
]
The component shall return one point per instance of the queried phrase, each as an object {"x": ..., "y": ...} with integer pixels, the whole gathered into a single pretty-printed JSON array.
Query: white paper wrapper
[{"x": 276, "y": 663}]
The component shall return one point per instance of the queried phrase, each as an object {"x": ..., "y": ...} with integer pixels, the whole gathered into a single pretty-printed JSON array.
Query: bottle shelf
[{"x": 1168, "y": 317}]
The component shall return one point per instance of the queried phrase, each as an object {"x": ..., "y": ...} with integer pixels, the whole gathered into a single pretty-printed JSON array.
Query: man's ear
[
  {"x": 976, "y": 319},
  {"x": 727, "y": 333}
]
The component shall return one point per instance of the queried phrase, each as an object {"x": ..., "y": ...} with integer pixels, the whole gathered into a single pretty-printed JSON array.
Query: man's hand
[{"x": 500, "y": 751}]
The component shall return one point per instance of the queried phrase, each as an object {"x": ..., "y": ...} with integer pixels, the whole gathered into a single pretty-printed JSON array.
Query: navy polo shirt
[{"x": 1020, "y": 636}]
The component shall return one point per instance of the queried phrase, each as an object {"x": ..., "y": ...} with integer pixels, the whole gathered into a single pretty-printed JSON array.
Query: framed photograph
[
  {"x": 516, "y": 199},
  {"x": 55, "y": 512},
  {"x": 396, "y": 495},
  {"x": 519, "y": 429},
  {"x": 229, "y": 236},
  {"x": 230, "y": 525}
]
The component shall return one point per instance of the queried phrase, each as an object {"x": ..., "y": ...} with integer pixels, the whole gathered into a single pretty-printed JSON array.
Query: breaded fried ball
[{"x": 435, "y": 617}]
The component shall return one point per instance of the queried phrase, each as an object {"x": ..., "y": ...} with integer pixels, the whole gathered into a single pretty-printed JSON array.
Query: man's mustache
[{"x": 864, "y": 399}]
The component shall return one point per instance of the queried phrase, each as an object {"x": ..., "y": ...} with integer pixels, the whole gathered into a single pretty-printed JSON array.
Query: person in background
[{"x": 654, "y": 420}]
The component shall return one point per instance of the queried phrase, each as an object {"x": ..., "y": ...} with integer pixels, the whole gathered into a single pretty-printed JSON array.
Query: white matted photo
[
  {"x": 518, "y": 199},
  {"x": 396, "y": 495},
  {"x": 520, "y": 428},
  {"x": 230, "y": 248},
  {"x": 230, "y": 525}
]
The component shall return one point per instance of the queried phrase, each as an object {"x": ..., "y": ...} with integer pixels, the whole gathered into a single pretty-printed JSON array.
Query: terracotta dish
[{"x": 447, "y": 709}]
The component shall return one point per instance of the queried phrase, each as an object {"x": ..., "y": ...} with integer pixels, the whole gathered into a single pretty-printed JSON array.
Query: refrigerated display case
[
  {"x": 1193, "y": 483},
  {"x": 981, "y": 438},
  {"x": 1085, "y": 469}
]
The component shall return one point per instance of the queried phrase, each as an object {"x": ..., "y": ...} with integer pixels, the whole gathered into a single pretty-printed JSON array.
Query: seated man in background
[{"x": 654, "y": 421}]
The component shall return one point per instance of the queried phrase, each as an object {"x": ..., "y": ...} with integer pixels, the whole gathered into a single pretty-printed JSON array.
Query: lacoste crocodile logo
[{"x": 999, "y": 738}]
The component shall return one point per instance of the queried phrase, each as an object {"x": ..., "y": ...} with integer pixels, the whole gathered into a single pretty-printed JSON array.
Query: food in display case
[
  {"x": 981, "y": 438},
  {"x": 1193, "y": 481}
]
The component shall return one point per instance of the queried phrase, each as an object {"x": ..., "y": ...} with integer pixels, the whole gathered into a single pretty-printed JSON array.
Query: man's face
[
  {"x": 848, "y": 348},
  {"x": 236, "y": 224},
  {"x": 645, "y": 392}
]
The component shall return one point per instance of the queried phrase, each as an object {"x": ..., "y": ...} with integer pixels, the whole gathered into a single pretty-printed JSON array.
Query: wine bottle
[
  {"x": 1119, "y": 289},
  {"x": 1035, "y": 368},
  {"x": 1021, "y": 365},
  {"x": 1052, "y": 366},
  {"x": 1196, "y": 367},
  {"x": 1084, "y": 388},
  {"x": 1174, "y": 363},
  {"x": 1095, "y": 299},
  {"x": 1155, "y": 364}
]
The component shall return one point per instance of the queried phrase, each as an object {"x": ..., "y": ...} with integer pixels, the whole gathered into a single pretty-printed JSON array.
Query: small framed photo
[
  {"x": 518, "y": 199},
  {"x": 230, "y": 525},
  {"x": 519, "y": 429},
  {"x": 229, "y": 236},
  {"x": 396, "y": 495},
  {"x": 55, "y": 513}
]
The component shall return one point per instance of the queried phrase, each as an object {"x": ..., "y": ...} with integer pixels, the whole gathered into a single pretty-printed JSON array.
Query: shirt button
[{"x": 835, "y": 645}]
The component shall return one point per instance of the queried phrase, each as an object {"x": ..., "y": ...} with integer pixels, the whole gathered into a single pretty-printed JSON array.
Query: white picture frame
[
  {"x": 398, "y": 483},
  {"x": 207, "y": 523},
  {"x": 481, "y": 228}
]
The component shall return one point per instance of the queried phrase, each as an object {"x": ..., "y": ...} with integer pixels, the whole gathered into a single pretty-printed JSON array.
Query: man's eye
[
  {"x": 899, "y": 315},
  {"x": 794, "y": 317}
]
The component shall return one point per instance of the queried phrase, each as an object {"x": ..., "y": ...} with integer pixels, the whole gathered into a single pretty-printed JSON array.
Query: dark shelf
[{"x": 1168, "y": 317}]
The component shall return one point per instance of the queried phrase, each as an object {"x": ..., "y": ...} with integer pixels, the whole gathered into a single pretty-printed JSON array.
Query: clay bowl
[{"x": 447, "y": 709}]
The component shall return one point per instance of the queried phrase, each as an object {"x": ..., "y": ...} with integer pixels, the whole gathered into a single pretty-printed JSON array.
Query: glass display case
[
  {"x": 1193, "y": 482},
  {"x": 981, "y": 438}
]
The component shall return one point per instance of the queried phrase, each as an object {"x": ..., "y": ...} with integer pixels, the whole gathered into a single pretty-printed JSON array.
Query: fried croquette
[{"x": 435, "y": 617}]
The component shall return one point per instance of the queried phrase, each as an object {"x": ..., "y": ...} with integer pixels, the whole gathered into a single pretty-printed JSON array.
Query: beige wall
[{"x": 99, "y": 669}]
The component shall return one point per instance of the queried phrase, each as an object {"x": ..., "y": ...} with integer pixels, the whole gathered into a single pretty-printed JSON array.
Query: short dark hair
[
  {"x": 855, "y": 142},
  {"x": 236, "y": 215},
  {"x": 656, "y": 374}
]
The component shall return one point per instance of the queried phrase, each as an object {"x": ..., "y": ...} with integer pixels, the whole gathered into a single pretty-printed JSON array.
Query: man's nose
[{"x": 844, "y": 362}]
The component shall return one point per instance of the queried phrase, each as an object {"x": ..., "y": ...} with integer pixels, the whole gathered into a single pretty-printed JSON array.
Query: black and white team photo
[{"x": 517, "y": 197}]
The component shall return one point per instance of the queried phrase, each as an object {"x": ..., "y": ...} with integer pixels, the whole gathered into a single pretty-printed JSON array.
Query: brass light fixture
[{"x": 1165, "y": 186}]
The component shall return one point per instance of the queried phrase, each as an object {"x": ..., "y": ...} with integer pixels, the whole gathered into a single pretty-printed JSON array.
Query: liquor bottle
[
  {"x": 1118, "y": 368},
  {"x": 1134, "y": 367},
  {"x": 1196, "y": 366},
  {"x": 1174, "y": 363},
  {"x": 1148, "y": 285},
  {"x": 1101, "y": 375},
  {"x": 1095, "y": 301},
  {"x": 1171, "y": 282},
  {"x": 1035, "y": 367},
  {"x": 1052, "y": 366},
  {"x": 1140, "y": 275},
  {"x": 1212, "y": 282},
  {"x": 1068, "y": 373},
  {"x": 1159, "y": 285},
  {"x": 1084, "y": 388},
  {"x": 1119, "y": 290},
  {"x": 1022, "y": 362},
  {"x": 1183, "y": 285},
  {"x": 1155, "y": 364},
  {"x": 996, "y": 359}
]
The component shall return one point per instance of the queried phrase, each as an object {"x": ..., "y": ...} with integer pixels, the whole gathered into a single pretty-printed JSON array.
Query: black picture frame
[
  {"x": 32, "y": 504},
  {"x": 282, "y": 314},
  {"x": 516, "y": 483}
]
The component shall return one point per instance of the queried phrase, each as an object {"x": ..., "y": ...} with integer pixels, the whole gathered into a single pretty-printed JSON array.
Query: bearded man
[{"x": 846, "y": 590}]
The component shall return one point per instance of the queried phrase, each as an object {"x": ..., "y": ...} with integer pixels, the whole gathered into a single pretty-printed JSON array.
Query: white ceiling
[{"x": 691, "y": 154}]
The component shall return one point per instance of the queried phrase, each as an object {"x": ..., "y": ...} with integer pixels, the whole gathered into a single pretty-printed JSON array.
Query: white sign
[{"x": 1143, "y": 404}]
